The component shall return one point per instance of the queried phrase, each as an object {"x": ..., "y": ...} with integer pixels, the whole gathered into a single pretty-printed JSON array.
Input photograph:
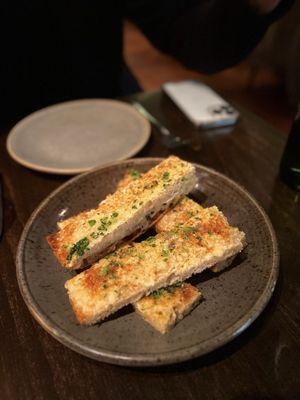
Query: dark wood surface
[{"x": 262, "y": 363}]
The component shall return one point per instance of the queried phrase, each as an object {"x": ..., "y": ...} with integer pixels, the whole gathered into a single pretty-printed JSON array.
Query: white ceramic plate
[{"x": 76, "y": 136}]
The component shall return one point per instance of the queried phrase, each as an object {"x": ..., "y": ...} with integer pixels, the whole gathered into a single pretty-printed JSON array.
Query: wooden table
[{"x": 263, "y": 363}]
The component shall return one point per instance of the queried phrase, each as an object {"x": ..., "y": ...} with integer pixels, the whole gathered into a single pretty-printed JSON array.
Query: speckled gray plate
[
  {"x": 76, "y": 136},
  {"x": 233, "y": 299}
]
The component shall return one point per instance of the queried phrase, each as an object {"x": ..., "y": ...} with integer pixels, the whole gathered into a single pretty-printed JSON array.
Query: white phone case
[{"x": 202, "y": 106}]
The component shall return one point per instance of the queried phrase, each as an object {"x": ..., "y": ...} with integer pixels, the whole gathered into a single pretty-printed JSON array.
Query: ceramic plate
[
  {"x": 232, "y": 299},
  {"x": 76, "y": 136}
]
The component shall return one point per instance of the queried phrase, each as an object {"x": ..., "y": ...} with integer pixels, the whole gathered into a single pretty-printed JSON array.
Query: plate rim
[
  {"x": 146, "y": 359},
  {"x": 73, "y": 171}
]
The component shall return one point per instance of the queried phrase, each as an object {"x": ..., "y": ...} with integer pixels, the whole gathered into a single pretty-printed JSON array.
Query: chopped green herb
[
  {"x": 112, "y": 276},
  {"x": 104, "y": 270},
  {"x": 166, "y": 175},
  {"x": 95, "y": 235},
  {"x": 198, "y": 237},
  {"x": 79, "y": 248},
  {"x": 114, "y": 214},
  {"x": 105, "y": 223},
  {"x": 157, "y": 293},
  {"x": 150, "y": 239},
  {"x": 116, "y": 264},
  {"x": 131, "y": 250},
  {"x": 92, "y": 222},
  {"x": 65, "y": 246},
  {"x": 187, "y": 228},
  {"x": 165, "y": 253},
  {"x": 134, "y": 206},
  {"x": 135, "y": 174},
  {"x": 141, "y": 256},
  {"x": 140, "y": 203},
  {"x": 172, "y": 288},
  {"x": 184, "y": 178}
]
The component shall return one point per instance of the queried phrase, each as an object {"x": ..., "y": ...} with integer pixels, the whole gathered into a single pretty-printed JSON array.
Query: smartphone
[{"x": 201, "y": 105}]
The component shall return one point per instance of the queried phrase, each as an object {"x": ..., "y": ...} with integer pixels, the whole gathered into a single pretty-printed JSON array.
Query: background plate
[
  {"x": 76, "y": 136},
  {"x": 232, "y": 299}
]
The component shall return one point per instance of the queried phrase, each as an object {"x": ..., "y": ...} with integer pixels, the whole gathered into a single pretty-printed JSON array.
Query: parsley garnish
[
  {"x": 150, "y": 239},
  {"x": 95, "y": 235},
  {"x": 135, "y": 174},
  {"x": 187, "y": 228},
  {"x": 92, "y": 222},
  {"x": 78, "y": 248},
  {"x": 166, "y": 175},
  {"x": 165, "y": 254},
  {"x": 157, "y": 293},
  {"x": 104, "y": 224},
  {"x": 172, "y": 288},
  {"x": 115, "y": 263},
  {"x": 104, "y": 270}
]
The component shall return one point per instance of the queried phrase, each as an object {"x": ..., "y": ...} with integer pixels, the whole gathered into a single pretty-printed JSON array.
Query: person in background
[{"x": 54, "y": 51}]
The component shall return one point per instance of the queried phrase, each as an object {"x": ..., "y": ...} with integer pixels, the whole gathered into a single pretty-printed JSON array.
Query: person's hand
[{"x": 264, "y": 6}]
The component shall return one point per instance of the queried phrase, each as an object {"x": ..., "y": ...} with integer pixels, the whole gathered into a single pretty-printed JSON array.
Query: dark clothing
[{"x": 52, "y": 51}]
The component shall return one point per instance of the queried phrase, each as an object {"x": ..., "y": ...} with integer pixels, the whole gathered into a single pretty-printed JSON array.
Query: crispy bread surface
[
  {"x": 123, "y": 215},
  {"x": 164, "y": 308},
  {"x": 136, "y": 270}
]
